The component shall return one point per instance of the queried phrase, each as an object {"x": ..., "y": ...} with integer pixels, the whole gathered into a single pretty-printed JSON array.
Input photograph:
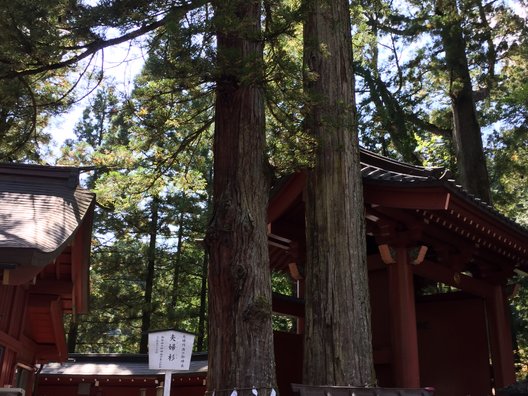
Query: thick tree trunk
[
  {"x": 338, "y": 347},
  {"x": 203, "y": 306},
  {"x": 467, "y": 136},
  {"x": 73, "y": 332},
  {"x": 146, "y": 313},
  {"x": 240, "y": 333},
  {"x": 392, "y": 116},
  {"x": 177, "y": 266}
]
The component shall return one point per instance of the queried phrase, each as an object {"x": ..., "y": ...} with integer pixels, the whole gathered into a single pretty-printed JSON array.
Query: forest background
[{"x": 148, "y": 150}]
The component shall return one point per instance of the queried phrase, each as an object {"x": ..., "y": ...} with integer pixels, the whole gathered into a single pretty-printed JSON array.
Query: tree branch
[
  {"x": 100, "y": 44},
  {"x": 91, "y": 49}
]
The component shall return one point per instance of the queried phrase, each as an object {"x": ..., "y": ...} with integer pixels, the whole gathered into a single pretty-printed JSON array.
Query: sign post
[{"x": 169, "y": 351}]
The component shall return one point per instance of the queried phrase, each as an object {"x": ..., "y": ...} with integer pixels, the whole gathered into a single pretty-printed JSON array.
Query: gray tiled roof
[
  {"x": 41, "y": 208},
  {"x": 378, "y": 169},
  {"x": 105, "y": 365}
]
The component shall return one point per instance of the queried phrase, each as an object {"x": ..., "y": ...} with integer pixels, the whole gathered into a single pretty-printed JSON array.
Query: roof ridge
[
  {"x": 41, "y": 173},
  {"x": 388, "y": 164}
]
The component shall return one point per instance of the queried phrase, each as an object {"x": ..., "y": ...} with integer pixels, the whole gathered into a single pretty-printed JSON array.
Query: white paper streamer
[
  {"x": 273, "y": 393},
  {"x": 254, "y": 391},
  {"x": 234, "y": 393}
]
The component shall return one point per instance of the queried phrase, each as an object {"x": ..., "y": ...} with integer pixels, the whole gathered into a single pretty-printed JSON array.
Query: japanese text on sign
[{"x": 170, "y": 350}]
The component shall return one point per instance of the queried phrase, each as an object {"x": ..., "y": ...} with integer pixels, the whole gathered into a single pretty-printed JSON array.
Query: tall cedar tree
[
  {"x": 146, "y": 311},
  {"x": 240, "y": 330},
  {"x": 467, "y": 137},
  {"x": 338, "y": 347}
]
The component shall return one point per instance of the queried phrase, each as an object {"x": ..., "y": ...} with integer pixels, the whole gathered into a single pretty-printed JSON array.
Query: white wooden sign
[{"x": 170, "y": 350}]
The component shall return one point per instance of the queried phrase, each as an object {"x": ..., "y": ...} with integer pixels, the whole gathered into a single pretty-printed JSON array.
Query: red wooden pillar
[
  {"x": 404, "y": 339},
  {"x": 12, "y": 311},
  {"x": 500, "y": 339}
]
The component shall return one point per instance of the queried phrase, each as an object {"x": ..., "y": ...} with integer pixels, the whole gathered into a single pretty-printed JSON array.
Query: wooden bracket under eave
[
  {"x": 294, "y": 272},
  {"x": 386, "y": 254},
  {"x": 420, "y": 256},
  {"x": 5, "y": 277},
  {"x": 511, "y": 291}
]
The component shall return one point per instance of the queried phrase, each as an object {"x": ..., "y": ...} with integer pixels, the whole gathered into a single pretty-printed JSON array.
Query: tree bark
[
  {"x": 338, "y": 346},
  {"x": 240, "y": 333},
  {"x": 200, "y": 340},
  {"x": 467, "y": 136},
  {"x": 146, "y": 312},
  {"x": 177, "y": 264},
  {"x": 73, "y": 333}
]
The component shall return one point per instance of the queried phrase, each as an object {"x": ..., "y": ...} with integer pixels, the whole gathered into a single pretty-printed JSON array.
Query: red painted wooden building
[
  {"x": 118, "y": 375},
  {"x": 440, "y": 262},
  {"x": 45, "y": 233}
]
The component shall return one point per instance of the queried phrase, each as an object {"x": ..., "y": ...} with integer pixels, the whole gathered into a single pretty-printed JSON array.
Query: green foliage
[
  {"x": 282, "y": 283},
  {"x": 509, "y": 156},
  {"x": 519, "y": 310},
  {"x": 153, "y": 145},
  {"x": 404, "y": 81},
  {"x": 32, "y": 34},
  {"x": 26, "y": 106},
  {"x": 435, "y": 151},
  {"x": 49, "y": 46},
  {"x": 289, "y": 147},
  {"x": 508, "y": 143}
]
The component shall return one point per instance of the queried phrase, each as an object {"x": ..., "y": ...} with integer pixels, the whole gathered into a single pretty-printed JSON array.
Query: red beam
[
  {"x": 439, "y": 273},
  {"x": 287, "y": 305},
  {"x": 406, "y": 198},
  {"x": 80, "y": 262},
  {"x": 53, "y": 287},
  {"x": 286, "y": 196},
  {"x": 58, "y": 329},
  {"x": 10, "y": 342}
]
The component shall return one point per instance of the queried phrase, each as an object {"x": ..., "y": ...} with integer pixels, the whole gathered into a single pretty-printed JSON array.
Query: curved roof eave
[{"x": 42, "y": 209}]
